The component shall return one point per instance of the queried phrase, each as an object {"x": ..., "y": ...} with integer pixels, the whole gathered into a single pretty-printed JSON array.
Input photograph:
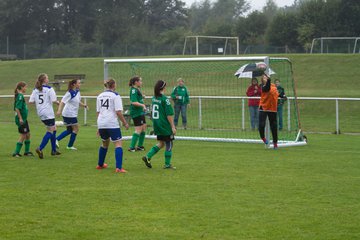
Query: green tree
[
  {"x": 282, "y": 30},
  {"x": 25, "y": 20},
  {"x": 116, "y": 20},
  {"x": 199, "y": 14},
  {"x": 251, "y": 29},
  {"x": 349, "y": 17},
  {"x": 226, "y": 11},
  {"x": 305, "y": 35},
  {"x": 270, "y": 9},
  {"x": 163, "y": 15}
]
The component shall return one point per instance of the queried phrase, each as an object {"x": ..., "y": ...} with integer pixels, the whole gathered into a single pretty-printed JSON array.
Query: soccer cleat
[
  {"x": 101, "y": 167},
  {"x": 16, "y": 155},
  {"x": 265, "y": 140},
  {"x": 71, "y": 148},
  {"x": 147, "y": 161},
  {"x": 131, "y": 149},
  {"x": 29, "y": 154},
  {"x": 57, "y": 144},
  {"x": 169, "y": 167},
  {"x": 275, "y": 146},
  {"x": 120, "y": 170},
  {"x": 55, "y": 153},
  {"x": 140, "y": 148},
  {"x": 39, "y": 153}
]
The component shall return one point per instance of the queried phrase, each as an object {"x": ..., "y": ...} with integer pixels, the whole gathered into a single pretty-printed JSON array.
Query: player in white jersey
[
  {"x": 109, "y": 107},
  {"x": 71, "y": 100},
  {"x": 44, "y": 96}
]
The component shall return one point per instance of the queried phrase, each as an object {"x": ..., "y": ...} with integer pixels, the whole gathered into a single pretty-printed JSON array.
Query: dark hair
[
  {"x": 160, "y": 85},
  {"x": 40, "y": 81},
  {"x": 72, "y": 83},
  {"x": 133, "y": 80},
  {"x": 19, "y": 86},
  {"x": 110, "y": 83}
]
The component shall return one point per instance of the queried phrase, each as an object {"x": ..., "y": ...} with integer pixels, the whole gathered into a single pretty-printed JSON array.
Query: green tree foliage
[
  {"x": 25, "y": 20},
  {"x": 199, "y": 14},
  {"x": 282, "y": 30},
  {"x": 251, "y": 29},
  {"x": 349, "y": 11},
  {"x": 217, "y": 19},
  {"x": 305, "y": 35},
  {"x": 270, "y": 9}
]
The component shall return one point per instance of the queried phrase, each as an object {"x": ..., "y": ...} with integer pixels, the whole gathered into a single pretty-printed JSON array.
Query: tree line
[{"x": 68, "y": 25}]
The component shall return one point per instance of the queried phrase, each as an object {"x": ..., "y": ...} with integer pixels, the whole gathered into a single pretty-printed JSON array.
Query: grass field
[{"x": 219, "y": 191}]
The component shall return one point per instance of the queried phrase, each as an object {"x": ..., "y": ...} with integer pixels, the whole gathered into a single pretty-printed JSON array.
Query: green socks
[
  {"x": 18, "y": 147},
  {"x": 27, "y": 146},
  {"x": 141, "y": 139},
  {"x": 152, "y": 151},
  {"x": 168, "y": 155},
  {"x": 134, "y": 139}
]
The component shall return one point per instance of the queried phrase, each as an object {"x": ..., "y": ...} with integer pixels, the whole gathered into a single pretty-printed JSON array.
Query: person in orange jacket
[{"x": 268, "y": 108}]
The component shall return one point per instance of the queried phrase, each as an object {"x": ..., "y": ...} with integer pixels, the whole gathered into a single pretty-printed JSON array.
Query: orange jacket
[{"x": 269, "y": 99}]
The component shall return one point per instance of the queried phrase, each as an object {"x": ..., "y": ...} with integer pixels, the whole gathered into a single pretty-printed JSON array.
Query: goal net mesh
[{"x": 218, "y": 107}]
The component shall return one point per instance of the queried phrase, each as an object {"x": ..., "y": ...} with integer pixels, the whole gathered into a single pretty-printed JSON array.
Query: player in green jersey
[
  {"x": 137, "y": 113},
  {"x": 21, "y": 113},
  {"x": 162, "y": 115}
]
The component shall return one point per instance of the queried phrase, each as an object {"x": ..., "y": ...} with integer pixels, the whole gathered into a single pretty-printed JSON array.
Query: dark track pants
[{"x": 273, "y": 124}]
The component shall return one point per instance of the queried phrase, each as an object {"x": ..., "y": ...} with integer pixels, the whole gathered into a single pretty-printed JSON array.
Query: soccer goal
[
  {"x": 335, "y": 45},
  {"x": 218, "y": 109},
  {"x": 195, "y": 45}
]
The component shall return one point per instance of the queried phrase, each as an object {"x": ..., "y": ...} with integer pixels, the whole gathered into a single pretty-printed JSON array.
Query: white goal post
[
  {"x": 219, "y": 110},
  {"x": 322, "y": 39},
  {"x": 211, "y": 37}
]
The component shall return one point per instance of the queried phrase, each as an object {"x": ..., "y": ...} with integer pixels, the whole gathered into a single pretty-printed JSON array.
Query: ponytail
[
  {"x": 40, "y": 81},
  {"x": 72, "y": 83},
  {"x": 19, "y": 86},
  {"x": 110, "y": 83}
]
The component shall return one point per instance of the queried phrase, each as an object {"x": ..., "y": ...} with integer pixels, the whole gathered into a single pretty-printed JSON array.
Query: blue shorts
[
  {"x": 49, "y": 122},
  {"x": 69, "y": 121},
  {"x": 113, "y": 133}
]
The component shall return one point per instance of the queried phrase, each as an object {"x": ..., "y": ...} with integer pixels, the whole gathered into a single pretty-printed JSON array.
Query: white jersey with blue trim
[
  {"x": 44, "y": 102},
  {"x": 107, "y": 104},
  {"x": 72, "y": 100}
]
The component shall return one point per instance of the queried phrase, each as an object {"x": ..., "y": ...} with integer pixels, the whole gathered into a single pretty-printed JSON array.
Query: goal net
[
  {"x": 213, "y": 45},
  {"x": 218, "y": 109},
  {"x": 335, "y": 45}
]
